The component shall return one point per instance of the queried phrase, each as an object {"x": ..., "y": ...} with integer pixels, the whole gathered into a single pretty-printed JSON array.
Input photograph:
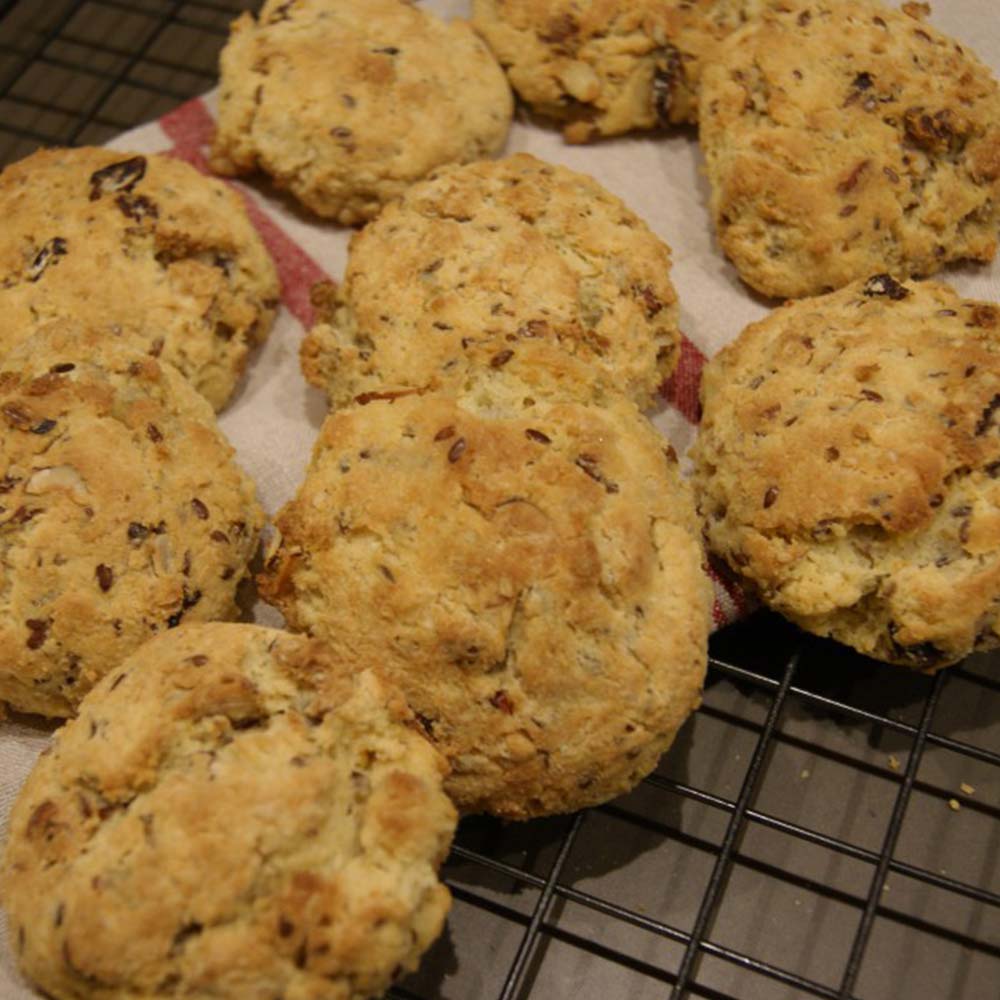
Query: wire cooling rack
[{"x": 824, "y": 827}]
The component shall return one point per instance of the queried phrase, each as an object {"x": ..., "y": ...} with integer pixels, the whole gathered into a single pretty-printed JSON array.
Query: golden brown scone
[
  {"x": 122, "y": 512},
  {"x": 140, "y": 243},
  {"x": 237, "y": 814},
  {"x": 849, "y": 139},
  {"x": 609, "y": 66},
  {"x": 347, "y": 102},
  {"x": 527, "y": 569},
  {"x": 847, "y": 466},
  {"x": 479, "y": 261}
]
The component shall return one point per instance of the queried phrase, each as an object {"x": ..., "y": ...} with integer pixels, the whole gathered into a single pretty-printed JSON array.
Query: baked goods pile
[{"x": 493, "y": 569}]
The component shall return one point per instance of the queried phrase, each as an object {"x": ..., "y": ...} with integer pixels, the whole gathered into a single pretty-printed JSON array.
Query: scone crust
[
  {"x": 139, "y": 243},
  {"x": 122, "y": 512},
  {"x": 237, "y": 814},
  {"x": 847, "y": 466},
  {"x": 608, "y": 66},
  {"x": 525, "y": 567},
  {"x": 347, "y": 102},
  {"x": 847, "y": 140},
  {"x": 484, "y": 259}
]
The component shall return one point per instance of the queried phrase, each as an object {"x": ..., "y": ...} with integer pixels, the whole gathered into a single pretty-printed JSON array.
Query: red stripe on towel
[
  {"x": 730, "y": 601},
  {"x": 683, "y": 387}
]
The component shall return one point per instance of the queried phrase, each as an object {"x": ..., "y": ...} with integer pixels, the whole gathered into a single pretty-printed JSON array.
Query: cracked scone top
[
  {"x": 483, "y": 259},
  {"x": 526, "y": 567},
  {"x": 347, "y": 102},
  {"x": 141, "y": 243},
  {"x": 608, "y": 66},
  {"x": 122, "y": 512},
  {"x": 848, "y": 466},
  {"x": 846, "y": 140},
  {"x": 237, "y": 814}
]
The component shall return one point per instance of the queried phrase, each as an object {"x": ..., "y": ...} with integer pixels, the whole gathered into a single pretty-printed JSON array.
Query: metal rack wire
[
  {"x": 81, "y": 71},
  {"x": 802, "y": 840}
]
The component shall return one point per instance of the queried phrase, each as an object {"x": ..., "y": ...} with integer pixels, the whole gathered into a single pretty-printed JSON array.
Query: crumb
[
  {"x": 893, "y": 762},
  {"x": 967, "y": 789},
  {"x": 804, "y": 774},
  {"x": 954, "y": 805}
]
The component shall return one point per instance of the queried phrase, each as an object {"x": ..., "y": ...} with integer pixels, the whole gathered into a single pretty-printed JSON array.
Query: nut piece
[
  {"x": 59, "y": 477},
  {"x": 580, "y": 81}
]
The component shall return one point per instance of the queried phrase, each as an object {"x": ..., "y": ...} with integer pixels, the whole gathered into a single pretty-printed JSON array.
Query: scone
[
  {"x": 140, "y": 243},
  {"x": 237, "y": 814},
  {"x": 347, "y": 102},
  {"x": 609, "y": 66},
  {"x": 526, "y": 567},
  {"x": 847, "y": 140},
  {"x": 479, "y": 261},
  {"x": 847, "y": 467},
  {"x": 122, "y": 512}
]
